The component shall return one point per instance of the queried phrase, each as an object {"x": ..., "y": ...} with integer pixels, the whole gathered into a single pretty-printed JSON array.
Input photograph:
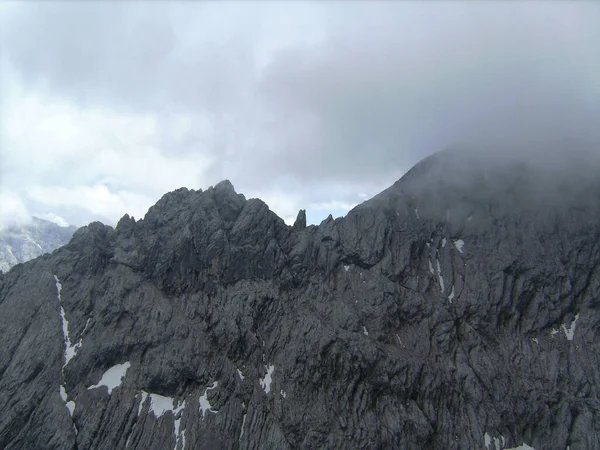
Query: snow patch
[
  {"x": 70, "y": 405},
  {"x": 451, "y": 296},
  {"x": 240, "y": 374},
  {"x": 459, "y": 244},
  {"x": 179, "y": 436},
  {"x": 443, "y": 242},
  {"x": 400, "y": 341},
  {"x": 365, "y": 332},
  {"x": 523, "y": 446},
  {"x": 535, "y": 340},
  {"x": 417, "y": 212},
  {"x": 441, "y": 280},
  {"x": 87, "y": 322},
  {"x": 346, "y": 268},
  {"x": 142, "y": 401},
  {"x": 113, "y": 377},
  {"x": 283, "y": 394},
  {"x": 440, "y": 277},
  {"x": 554, "y": 332},
  {"x": 242, "y": 430},
  {"x": 160, "y": 404},
  {"x": 570, "y": 332},
  {"x": 489, "y": 440},
  {"x": 431, "y": 267},
  {"x": 70, "y": 350},
  {"x": 266, "y": 381},
  {"x": 204, "y": 403},
  {"x": 28, "y": 238}
]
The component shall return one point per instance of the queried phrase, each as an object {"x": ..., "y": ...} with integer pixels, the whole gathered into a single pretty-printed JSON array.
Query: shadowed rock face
[{"x": 457, "y": 309}]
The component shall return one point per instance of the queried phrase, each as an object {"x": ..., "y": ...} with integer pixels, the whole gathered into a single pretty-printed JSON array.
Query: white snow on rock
[
  {"x": 365, "y": 332},
  {"x": 283, "y": 393},
  {"x": 204, "y": 403},
  {"x": 179, "y": 436},
  {"x": 70, "y": 350},
  {"x": 417, "y": 212},
  {"x": 451, "y": 296},
  {"x": 443, "y": 242},
  {"x": 535, "y": 340},
  {"x": 160, "y": 404},
  {"x": 489, "y": 440},
  {"x": 346, "y": 268},
  {"x": 554, "y": 332},
  {"x": 266, "y": 381},
  {"x": 523, "y": 446},
  {"x": 459, "y": 244},
  {"x": 142, "y": 401},
  {"x": 240, "y": 374},
  {"x": 431, "y": 267},
  {"x": 440, "y": 277},
  {"x": 242, "y": 430},
  {"x": 70, "y": 405},
  {"x": 28, "y": 238},
  {"x": 113, "y": 377},
  {"x": 570, "y": 332}
]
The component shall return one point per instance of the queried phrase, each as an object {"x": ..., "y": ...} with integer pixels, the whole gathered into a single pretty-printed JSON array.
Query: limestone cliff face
[{"x": 457, "y": 309}]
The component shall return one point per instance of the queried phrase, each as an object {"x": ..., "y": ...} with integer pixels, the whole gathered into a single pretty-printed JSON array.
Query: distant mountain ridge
[
  {"x": 21, "y": 243},
  {"x": 458, "y": 309}
]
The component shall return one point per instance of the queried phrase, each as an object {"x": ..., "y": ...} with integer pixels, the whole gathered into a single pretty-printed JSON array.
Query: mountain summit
[{"x": 457, "y": 309}]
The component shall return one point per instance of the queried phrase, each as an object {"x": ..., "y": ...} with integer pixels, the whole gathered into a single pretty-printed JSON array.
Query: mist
[{"x": 106, "y": 106}]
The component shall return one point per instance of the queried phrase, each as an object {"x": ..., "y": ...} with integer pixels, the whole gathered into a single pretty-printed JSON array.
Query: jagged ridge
[{"x": 436, "y": 315}]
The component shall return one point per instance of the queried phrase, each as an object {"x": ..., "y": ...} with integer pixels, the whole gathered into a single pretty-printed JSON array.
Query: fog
[{"x": 106, "y": 106}]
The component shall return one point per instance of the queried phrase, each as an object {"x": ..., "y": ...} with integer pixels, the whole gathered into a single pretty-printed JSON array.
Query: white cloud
[
  {"x": 51, "y": 217},
  {"x": 97, "y": 199},
  {"x": 306, "y": 105},
  {"x": 12, "y": 209},
  {"x": 101, "y": 161}
]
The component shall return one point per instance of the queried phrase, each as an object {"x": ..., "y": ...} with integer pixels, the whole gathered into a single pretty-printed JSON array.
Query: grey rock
[
  {"x": 300, "y": 219},
  {"x": 22, "y": 243},
  {"x": 456, "y": 309}
]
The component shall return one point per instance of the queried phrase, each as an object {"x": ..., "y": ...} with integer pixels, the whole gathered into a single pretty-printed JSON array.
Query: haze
[{"x": 107, "y": 106}]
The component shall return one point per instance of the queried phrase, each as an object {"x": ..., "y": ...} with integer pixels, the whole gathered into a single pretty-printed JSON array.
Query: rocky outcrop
[
  {"x": 457, "y": 309},
  {"x": 22, "y": 243}
]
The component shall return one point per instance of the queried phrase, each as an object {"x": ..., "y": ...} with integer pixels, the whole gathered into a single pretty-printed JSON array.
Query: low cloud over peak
[{"x": 108, "y": 105}]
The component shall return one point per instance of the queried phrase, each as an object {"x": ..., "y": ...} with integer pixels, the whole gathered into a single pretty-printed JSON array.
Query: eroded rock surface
[{"x": 457, "y": 309}]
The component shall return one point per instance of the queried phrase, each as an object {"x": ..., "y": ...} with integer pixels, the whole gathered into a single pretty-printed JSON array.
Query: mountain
[
  {"x": 20, "y": 243},
  {"x": 457, "y": 309}
]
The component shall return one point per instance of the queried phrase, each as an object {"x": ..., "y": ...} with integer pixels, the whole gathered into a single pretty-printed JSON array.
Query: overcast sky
[{"x": 104, "y": 107}]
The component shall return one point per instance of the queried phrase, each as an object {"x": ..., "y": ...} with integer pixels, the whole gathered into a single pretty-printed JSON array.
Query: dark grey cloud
[
  {"x": 318, "y": 101},
  {"x": 398, "y": 88}
]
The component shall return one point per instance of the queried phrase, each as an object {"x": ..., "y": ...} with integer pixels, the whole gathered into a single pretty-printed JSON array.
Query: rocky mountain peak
[{"x": 450, "y": 311}]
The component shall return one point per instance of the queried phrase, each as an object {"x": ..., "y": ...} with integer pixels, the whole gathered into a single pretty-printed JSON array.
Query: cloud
[
  {"x": 12, "y": 210},
  {"x": 307, "y": 105}
]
